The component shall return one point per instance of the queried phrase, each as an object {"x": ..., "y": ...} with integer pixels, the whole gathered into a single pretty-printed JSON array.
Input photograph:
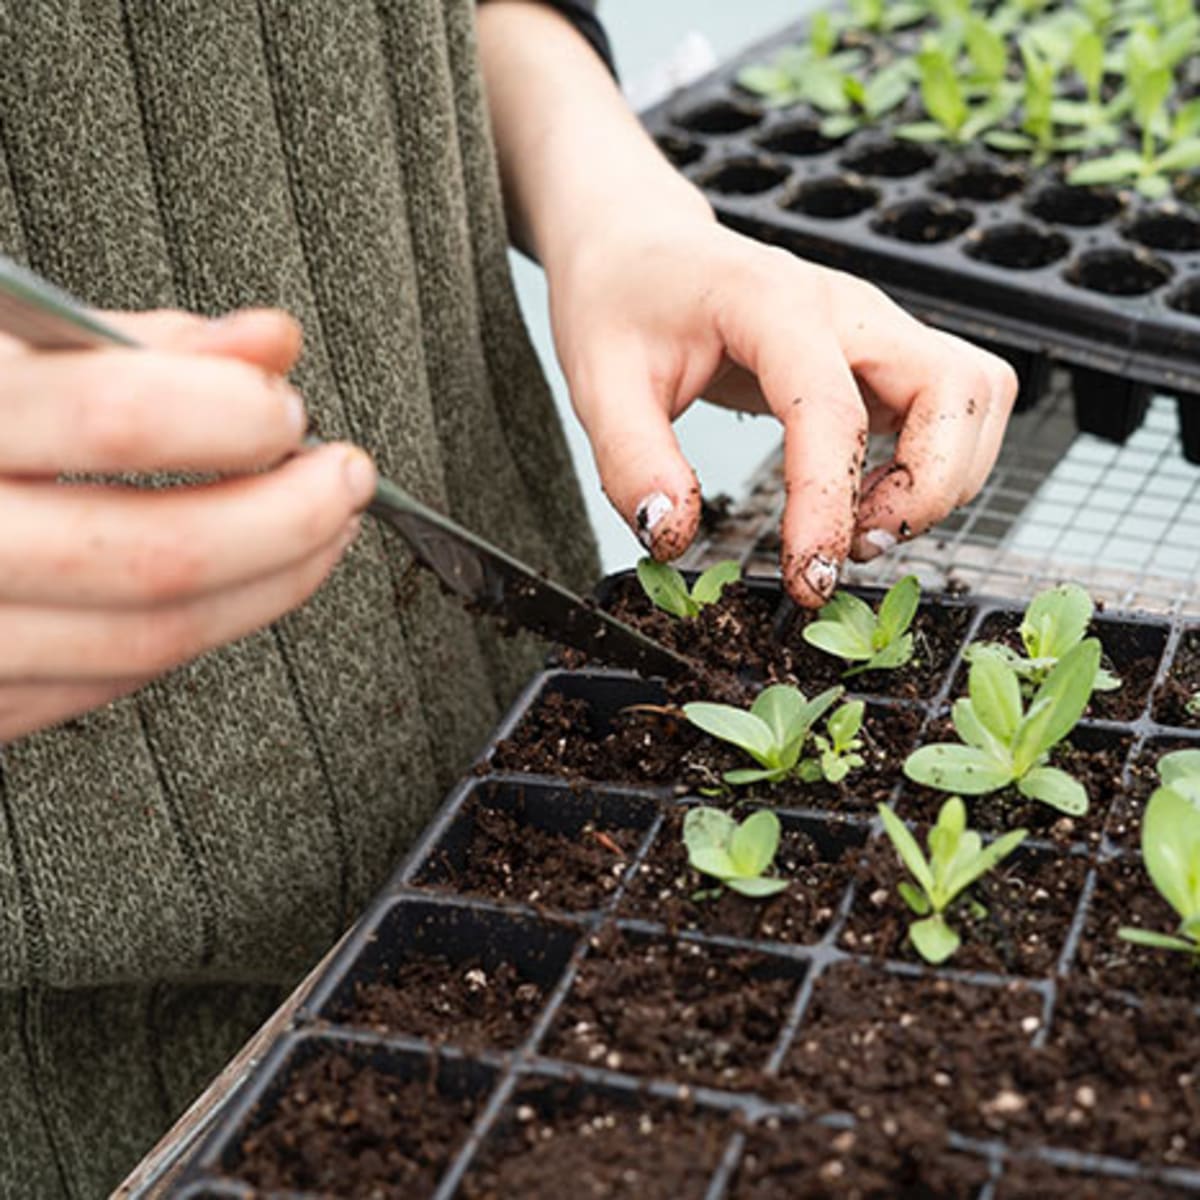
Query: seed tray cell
[
  {"x": 713, "y": 1007},
  {"x": 1098, "y": 280}
]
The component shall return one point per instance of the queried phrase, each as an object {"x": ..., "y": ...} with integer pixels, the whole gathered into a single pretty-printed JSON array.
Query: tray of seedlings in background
[
  {"x": 1022, "y": 174},
  {"x": 859, "y": 911}
]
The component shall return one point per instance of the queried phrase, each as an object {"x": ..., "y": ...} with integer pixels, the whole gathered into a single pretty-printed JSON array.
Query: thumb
[{"x": 642, "y": 469}]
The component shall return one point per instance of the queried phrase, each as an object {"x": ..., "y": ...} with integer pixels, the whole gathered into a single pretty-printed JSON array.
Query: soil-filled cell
[
  {"x": 1080, "y": 207},
  {"x": 980, "y": 181},
  {"x": 1125, "y": 895},
  {"x": 832, "y": 198},
  {"x": 889, "y": 159},
  {"x": 680, "y": 152},
  {"x": 446, "y": 973},
  {"x": 817, "y": 859},
  {"x": 923, "y": 221},
  {"x": 1017, "y": 246},
  {"x": 799, "y": 139},
  {"x": 555, "y": 1140},
  {"x": 1165, "y": 229},
  {"x": 547, "y": 846},
  {"x": 343, "y": 1125},
  {"x": 675, "y": 1010},
  {"x": 1180, "y": 691},
  {"x": 744, "y": 177},
  {"x": 1186, "y": 298},
  {"x": 907, "y": 1160},
  {"x": 1124, "y": 826},
  {"x": 878, "y": 1045},
  {"x": 718, "y": 117},
  {"x": 1118, "y": 272},
  {"x": 1013, "y": 921}
]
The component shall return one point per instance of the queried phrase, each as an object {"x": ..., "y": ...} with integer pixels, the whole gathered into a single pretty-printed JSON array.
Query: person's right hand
[{"x": 105, "y": 587}]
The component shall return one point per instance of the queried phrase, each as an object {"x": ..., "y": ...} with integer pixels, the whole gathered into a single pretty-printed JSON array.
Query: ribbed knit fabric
[{"x": 165, "y": 860}]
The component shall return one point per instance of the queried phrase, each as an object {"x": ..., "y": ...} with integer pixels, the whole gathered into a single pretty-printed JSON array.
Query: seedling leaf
[
  {"x": 708, "y": 588},
  {"x": 1055, "y": 788},
  {"x": 934, "y": 939},
  {"x": 734, "y": 725},
  {"x": 754, "y": 843},
  {"x": 666, "y": 587},
  {"x": 953, "y": 768},
  {"x": 907, "y": 847}
]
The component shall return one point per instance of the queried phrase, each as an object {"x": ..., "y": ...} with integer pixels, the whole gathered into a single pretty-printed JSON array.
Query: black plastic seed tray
[
  {"x": 1080, "y": 1082},
  {"x": 1099, "y": 281}
]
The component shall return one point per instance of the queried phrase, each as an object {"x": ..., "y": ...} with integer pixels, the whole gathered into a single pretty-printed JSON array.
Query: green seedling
[
  {"x": 847, "y": 628},
  {"x": 814, "y": 73},
  {"x": 957, "y": 859},
  {"x": 1004, "y": 743},
  {"x": 737, "y": 855},
  {"x": 838, "y": 753},
  {"x": 666, "y": 588},
  {"x": 1056, "y": 620},
  {"x": 772, "y": 732},
  {"x": 878, "y": 16},
  {"x": 1171, "y": 852},
  {"x": 953, "y": 118},
  {"x": 1192, "y": 707},
  {"x": 867, "y": 103},
  {"x": 1037, "y": 133}
]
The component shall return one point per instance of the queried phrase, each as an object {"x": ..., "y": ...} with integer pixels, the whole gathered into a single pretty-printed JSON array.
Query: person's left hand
[{"x": 648, "y": 319}]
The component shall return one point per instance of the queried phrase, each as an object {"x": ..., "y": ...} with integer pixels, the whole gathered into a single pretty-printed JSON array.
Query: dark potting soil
[
  {"x": 1094, "y": 757},
  {"x": 905, "y": 1161},
  {"x": 1124, "y": 653},
  {"x": 1029, "y": 901},
  {"x": 937, "y": 634},
  {"x": 1124, "y": 826},
  {"x": 507, "y": 859},
  {"x": 355, "y": 1131},
  {"x": 463, "y": 1003},
  {"x": 879, "y": 1045},
  {"x": 1025, "y": 1179},
  {"x": 675, "y": 1010},
  {"x": 1125, "y": 895},
  {"x": 658, "y": 747},
  {"x": 664, "y": 886},
  {"x": 555, "y": 1142},
  {"x": 1181, "y": 685},
  {"x": 1117, "y": 1079}
]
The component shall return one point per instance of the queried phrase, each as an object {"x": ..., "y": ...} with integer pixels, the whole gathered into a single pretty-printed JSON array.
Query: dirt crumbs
[
  {"x": 1181, "y": 685},
  {"x": 664, "y": 888},
  {"x": 1124, "y": 895},
  {"x": 1024, "y": 1179},
  {"x": 443, "y": 1001},
  {"x": 875, "y": 1045},
  {"x": 557, "y": 1141},
  {"x": 507, "y": 858},
  {"x": 675, "y": 1010},
  {"x": 356, "y": 1131},
  {"x": 898, "y": 1160},
  {"x": 1014, "y": 921}
]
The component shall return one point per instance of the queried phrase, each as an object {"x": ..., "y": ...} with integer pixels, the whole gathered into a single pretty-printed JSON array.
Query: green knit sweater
[{"x": 168, "y": 863}]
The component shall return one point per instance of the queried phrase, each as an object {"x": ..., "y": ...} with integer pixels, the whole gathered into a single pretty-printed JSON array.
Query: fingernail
[
  {"x": 650, "y": 514},
  {"x": 296, "y": 416},
  {"x": 876, "y": 542},
  {"x": 360, "y": 477},
  {"x": 349, "y": 533},
  {"x": 821, "y": 575}
]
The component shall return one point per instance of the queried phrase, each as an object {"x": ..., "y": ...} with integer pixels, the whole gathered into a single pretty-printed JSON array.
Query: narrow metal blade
[{"x": 494, "y": 582}]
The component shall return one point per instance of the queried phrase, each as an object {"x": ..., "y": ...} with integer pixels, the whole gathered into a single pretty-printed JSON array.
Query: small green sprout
[
  {"x": 1192, "y": 707},
  {"x": 882, "y": 16},
  {"x": 1005, "y": 743},
  {"x": 814, "y": 73},
  {"x": 735, "y": 854},
  {"x": 839, "y": 752},
  {"x": 772, "y": 732},
  {"x": 1056, "y": 620},
  {"x": 1180, "y": 770},
  {"x": 667, "y": 588},
  {"x": 1171, "y": 852},
  {"x": 867, "y": 103},
  {"x": 953, "y": 118},
  {"x": 957, "y": 858},
  {"x": 847, "y": 628}
]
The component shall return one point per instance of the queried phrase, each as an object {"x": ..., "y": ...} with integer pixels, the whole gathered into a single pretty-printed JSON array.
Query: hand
[
  {"x": 648, "y": 318},
  {"x": 104, "y": 587}
]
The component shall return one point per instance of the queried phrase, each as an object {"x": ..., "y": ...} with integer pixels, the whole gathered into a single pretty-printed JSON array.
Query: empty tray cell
[
  {"x": 1124, "y": 826},
  {"x": 1125, "y": 895},
  {"x": 556, "y": 1139},
  {"x": 923, "y": 221},
  {"x": 1186, "y": 297},
  {"x": 832, "y": 198},
  {"x": 799, "y": 139},
  {"x": 743, "y": 177},
  {"x": 787, "y": 1160},
  {"x": 980, "y": 181},
  {"x": 1179, "y": 693},
  {"x": 889, "y": 159},
  {"x": 1061, "y": 204},
  {"x": 1095, "y": 757},
  {"x": 719, "y": 116},
  {"x": 1024, "y": 1178},
  {"x": 676, "y": 1010},
  {"x": 816, "y": 858},
  {"x": 1014, "y": 921},
  {"x": 1116, "y": 272},
  {"x": 680, "y": 151},
  {"x": 878, "y": 1045},
  {"x": 539, "y": 844},
  {"x": 1165, "y": 229},
  {"x": 1017, "y": 245},
  {"x": 449, "y": 973},
  {"x": 350, "y": 1120}
]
